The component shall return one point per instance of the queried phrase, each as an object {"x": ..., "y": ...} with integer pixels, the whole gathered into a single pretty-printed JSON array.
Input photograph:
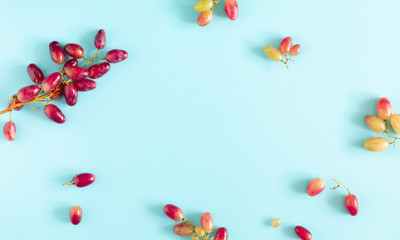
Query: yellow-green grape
[
  {"x": 276, "y": 222},
  {"x": 273, "y": 53},
  {"x": 376, "y": 144},
  {"x": 199, "y": 231},
  {"x": 395, "y": 121},
  {"x": 195, "y": 237},
  {"x": 376, "y": 124},
  {"x": 203, "y": 5}
]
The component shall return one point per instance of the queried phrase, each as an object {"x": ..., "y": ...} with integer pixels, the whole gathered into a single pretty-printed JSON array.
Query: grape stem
[
  {"x": 287, "y": 60},
  {"x": 388, "y": 133},
  {"x": 204, "y": 237},
  {"x": 340, "y": 184},
  {"x": 72, "y": 182},
  {"x": 214, "y": 4}
]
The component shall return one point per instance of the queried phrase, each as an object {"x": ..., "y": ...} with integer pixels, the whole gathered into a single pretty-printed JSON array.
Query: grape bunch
[
  {"x": 186, "y": 229},
  {"x": 380, "y": 124},
  {"x": 68, "y": 80},
  {"x": 206, "y": 9},
  {"x": 286, "y": 49}
]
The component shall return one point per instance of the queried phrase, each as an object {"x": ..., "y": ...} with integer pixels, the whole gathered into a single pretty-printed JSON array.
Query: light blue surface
[{"x": 199, "y": 117}]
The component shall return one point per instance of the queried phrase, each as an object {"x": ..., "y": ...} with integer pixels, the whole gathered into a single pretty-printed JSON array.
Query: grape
[
  {"x": 303, "y": 233},
  {"x": 98, "y": 70},
  {"x": 395, "y": 121},
  {"x": 28, "y": 93},
  {"x": 376, "y": 144},
  {"x": 75, "y": 215},
  {"x": 173, "y": 212},
  {"x": 183, "y": 229},
  {"x": 222, "y": 234},
  {"x": 195, "y": 237},
  {"x": 70, "y": 63},
  {"x": 207, "y": 222},
  {"x": 116, "y": 55},
  {"x": 205, "y": 18},
  {"x": 100, "y": 39},
  {"x": 276, "y": 222},
  {"x": 231, "y": 9},
  {"x": 35, "y": 73},
  {"x": 58, "y": 94},
  {"x": 273, "y": 53},
  {"x": 14, "y": 101},
  {"x": 376, "y": 124},
  {"x": 384, "y": 108},
  {"x": 199, "y": 231},
  {"x": 76, "y": 73},
  {"x": 295, "y": 50},
  {"x": 56, "y": 52},
  {"x": 83, "y": 179},
  {"x": 316, "y": 186},
  {"x": 203, "y": 5},
  {"x": 70, "y": 94},
  {"x": 286, "y": 45},
  {"x": 85, "y": 85},
  {"x": 9, "y": 131},
  {"x": 74, "y": 50},
  {"x": 351, "y": 203},
  {"x": 51, "y": 82},
  {"x": 54, "y": 113}
]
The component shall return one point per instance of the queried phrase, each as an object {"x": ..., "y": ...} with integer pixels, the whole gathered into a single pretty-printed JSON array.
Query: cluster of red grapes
[
  {"x": 186, "y": 229},
  {"x": 286, "y": 49},
  {"x": 206, "y": 9},
  {"x": 70, "y": 79},
  {"x": 381, "y": 124},
  {"x": 80, "y": 180}
]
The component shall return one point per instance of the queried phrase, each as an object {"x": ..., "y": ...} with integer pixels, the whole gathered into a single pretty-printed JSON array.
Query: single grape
[
  {"x": 205, "y": 18},
  {"x": 231, "y": 9},
  {"x": 376, "y": 124},
  {"x": 207, "y": 222},
  {"x": 70, "y": 94},
  {"x": 203, "y": 5},
  {"x": 286, "y": 45},
  {"x": 56, "y": 52},
  {"x": 376, "y": 144},
  {"x": 82, "y": 180},
  {"x": 221, "y": 234},
  {"x": 70, "y": 63},
  {"x": 351, "y": 203},
  {"x": 35, "y": 73},
  {"x": 316, "y": 186},
  {"x": 9, "y": 131},
  {"x": 85, "y": 85},
  {"x": 74, "y": 50},
  {"x": 14, "y": 101},
  {"x": 28, "y": 93},
  {"x": 199, "y": 231},
  {"x": 116, "y": 56},
  {"x": 98, "y": 70},
  {"x": 58, "y": 94},
  {"x": 303, "y": 233},
  {"x": 54, "y": 113},
  {"x": 183, "y": 229},
  {"x": 295, "y": 50},
  {"x": 384, "y": 108},
  {"x": 51, "y": 82},
  {"x": 273, "y": 53},
  {"x": 76, "y": 73},
  {"x": 195, "y": 237},
  {"x": 173, "y": 212},
  {"x": 100, "y": 39},
  {"x": 276, "y": 222},
  {"x": 75, "y": 215},
  {"x": 395, "y": 121}
]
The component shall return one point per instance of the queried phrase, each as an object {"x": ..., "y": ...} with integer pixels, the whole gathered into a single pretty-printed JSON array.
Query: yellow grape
[
  {"x": 276, "y": 222},
  {"x": 395, "y": 121},
  {"x": 376, "y": 124},
  {"x": 273, "y": 53},
  {"x": 376, "y": 144},
  {"x": 199, "y": 231},
  {"x": 203, "y": 5}
]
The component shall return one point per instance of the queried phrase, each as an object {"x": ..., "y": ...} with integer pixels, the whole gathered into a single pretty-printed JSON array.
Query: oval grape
[
  {"x": 75, "y": 215},
  {"x": 286, "y": 45},
  {"x": 85, "y": 85},
  {"x": 375, "y": 124},
  {"x": 28, "y": 93},
  {"x": 54, "y": 113},
  {"x": 35, "y": 73},
  {"x": 303, "y": 233},
  {"x": 70, "y": 94},
  {"x": 207, "y": 222},
  {"x": 351, "y": 203},
  {"x": 295, "y": 50},
  {"x": 116, "y": 56},
  {"x": 56, "y": 52},
  {"x": 100, "y": 39},
  {"x": 76, "y": 73},
  {"x": 183, "y": 229},
  {"x": 231, "y": 9},
  {"x": 70, "y": 63},
  {"x": 273, "y": 53},
  {"x": 395, "y": 122},
  {"x": 83, "y": 179},
  {"x": 74, "y": 50},
  {"x": 384, "y": 108},
  {"x": 199, "y": 231},
  {"x": 51, "y": 82},
  {"x": 9, "y": 131},
  {"x": 203, "y": 5},
  {"x": 276, "y": 222},
  {"x": 173, "y": 212},
  {"x": 98, "y": 70},
  {"x": 316, "y": 186},
  {"x": 205, "y": 18},
  {"x": 221, "y": 234},
  {"x": 376, "y": 144}
]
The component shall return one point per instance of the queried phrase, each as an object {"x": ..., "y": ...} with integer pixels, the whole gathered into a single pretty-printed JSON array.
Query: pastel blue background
[{"x": 201, "y": 118}]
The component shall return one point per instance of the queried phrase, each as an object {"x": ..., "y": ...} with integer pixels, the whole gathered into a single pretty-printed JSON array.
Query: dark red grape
[
  {"x": 100, "y": 39},
  {"x": 116, "y": 56},
  {"x": 98, "y": 70},
  {"x": 54, "y": 113},
  {"x": 35, "y": 73},
  {"x": 222, "y": 234},
  {"x": 51, "y": 82},
  {"x": 70, "y": 94},
  {"x": 74, "y": 50},
  {"x": 57, "y": 94},
  {"x": 83, "y": 179},
  {"x": 70, "y": 63},
  {"x": 303, "y": 233},
  {"x": 85, "y": 85},
  {"x": 56, "y": 52},
  {"x": 28, "y": 93},
  {"x": 76, "y": 73}
]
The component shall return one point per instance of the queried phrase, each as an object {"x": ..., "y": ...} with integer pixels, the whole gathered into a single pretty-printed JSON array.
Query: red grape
[
  {"x": 205, "y": 18},
  {"x": 70, "y": 94},
  {"x": 207, "y": 222},
  {"x": 316, "y": 186},
  {"x": 35, "y": 73},
  {"x": 222, "y": 234},
  {"x": 75, "y": 215},
  {"x": 286, "y": 45},
  {"x": 56, "y": 52},
  {"x": 351, "y": 203},
  {"x": 28, "y": 93},
  {"x": 83, "y": 179},
  {"x": 384, "y": 108},
  {"x": 70, "y": 63},
  {"x": 58, "y": 94},
  {"x": 100, "y": 39},
  {"x": 54, "y": 113},
  {"x": 183, "y": 229},
  {"x": 74, "y": 50},
  {"x": 303, "y": 233},
  {"x": 14, "y": 101},
  {"x": 98, "y": 70},
  {"x": 295, "y": 50},
  {"x": 9, "y": 131},
  {"x": 85, "y": 85},
  {"x": 173, "y": 212},
  {"x": 76, "y": 73},
  {"x": 231, "y": 9},
  {"x": 116, "y": 55},
  {"x": 51, "y": 82}
]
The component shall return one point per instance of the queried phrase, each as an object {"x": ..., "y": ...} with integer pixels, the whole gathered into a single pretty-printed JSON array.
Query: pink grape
[
  {"x": 74, "y": 50},
  {"x": 205, "y": 18},
  {"x": 98, "y": 70},
  {"x": 51, "y": 82},
  {"x": 75, "y": 215},
  {"x": 286, "y": 45},
  {"x": 14, "y": 101},
  {"x": 28, "y": 93},
  {"x": 207, "y": 222},
  {"x": 35, "y": 73},
  {"x": 76, "y": 73},
  {"x": 116, "y": 56},
  {"x": 384, "y": 108},
  {"x": 70, "y": 63},
  {"x": 58, "y": 94},
  {"x": 173, "y": 212},
  {"x": 316, "y": 186},
  {"x": 184, "y": 230},
  {"x": 303, "y": 233},
  {"x": 100, "y": 39},
  {"x": 56, "y": 52},
  {"x": 54, "y": 113},
  {"x": 9, "y": 131},
  {"x": 295, "y": 50},
  {"x": 70, "y": 94},
  {"x": 85, "y": 85},
  {"x": 231, "y": 9},
  {"x": 351, "y": 203},
  {"x": 222, "y": 234}
]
